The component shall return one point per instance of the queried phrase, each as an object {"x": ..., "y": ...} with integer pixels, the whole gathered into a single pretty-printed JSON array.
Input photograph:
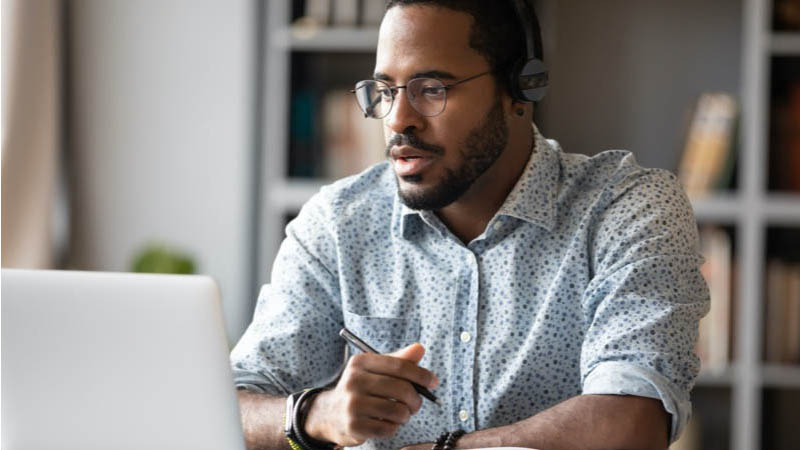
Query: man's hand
[{"x": 372, "y": 399}]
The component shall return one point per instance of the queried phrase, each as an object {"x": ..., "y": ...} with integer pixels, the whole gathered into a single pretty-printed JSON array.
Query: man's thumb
[{"x": 413, "y": 353}]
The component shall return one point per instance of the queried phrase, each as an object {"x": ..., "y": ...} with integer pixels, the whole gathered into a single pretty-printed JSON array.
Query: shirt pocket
[{"x": 384, "y": 334}]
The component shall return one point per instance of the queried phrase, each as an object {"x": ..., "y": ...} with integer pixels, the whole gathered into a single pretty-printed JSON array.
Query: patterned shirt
[{"x": 585, "y": 281}]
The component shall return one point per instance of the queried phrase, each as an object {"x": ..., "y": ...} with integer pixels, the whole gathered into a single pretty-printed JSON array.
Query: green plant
[{"x": 158, "y": 258}]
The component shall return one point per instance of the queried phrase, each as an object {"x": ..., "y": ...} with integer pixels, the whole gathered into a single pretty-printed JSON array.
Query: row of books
[
  {"x": 711, "y": 423},
  {"x": 338, "y": 13},
  {"x": 330, "y": 138},
  {"x": 781, "y": 305},
  {"x": 714, "y": 339},
  {"x": 785, "y": 141},
  {"x": 708, "y": 162},
  {"x": 786, "y": 15},
  {"x": 782, "y": 319}
]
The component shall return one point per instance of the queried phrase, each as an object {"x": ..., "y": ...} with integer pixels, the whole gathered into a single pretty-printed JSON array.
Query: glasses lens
[
  {"x": 374, "y": 98},
  {"x": 427, "y": 95}
]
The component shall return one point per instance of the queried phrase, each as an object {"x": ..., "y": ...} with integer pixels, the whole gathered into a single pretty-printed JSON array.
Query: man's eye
[
  {"x": 385, "y": 93},
  {"x": 432, "y": 91}
]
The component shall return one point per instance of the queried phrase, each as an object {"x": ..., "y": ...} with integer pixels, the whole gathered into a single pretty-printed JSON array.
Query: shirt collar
[{"x": 532, "y": 199}]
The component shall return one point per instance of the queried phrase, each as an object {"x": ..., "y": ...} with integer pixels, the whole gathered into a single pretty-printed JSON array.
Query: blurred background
[{"x": 181, "y": 135}]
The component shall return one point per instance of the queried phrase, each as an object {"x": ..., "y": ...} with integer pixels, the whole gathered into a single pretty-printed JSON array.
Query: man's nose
[{"x": 403, "y": 115}]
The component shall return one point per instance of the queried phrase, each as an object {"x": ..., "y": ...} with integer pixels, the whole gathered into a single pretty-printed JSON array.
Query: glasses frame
[{"x": 394, "y": 90}]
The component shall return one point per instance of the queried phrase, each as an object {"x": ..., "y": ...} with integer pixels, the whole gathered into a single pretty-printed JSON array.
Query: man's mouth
[{"x": 409, "y": 162}]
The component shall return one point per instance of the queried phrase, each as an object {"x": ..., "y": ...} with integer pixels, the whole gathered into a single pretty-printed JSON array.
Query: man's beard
[{"x": 484, "y": 144}]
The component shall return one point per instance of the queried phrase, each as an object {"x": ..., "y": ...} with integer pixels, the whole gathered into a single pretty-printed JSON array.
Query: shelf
[
  {"x": 721, "y": 377},
  {"x": 781, "y": 376},
  {"x": 778, "y": 209},
  {"x": 717, "y": 208},
  {"x": 321, "y": 39},
  {"x": 785, "y": 44},
  {"x": 782, "y": 209},
  {"x": 775, "y": 208},
  {"x": 772, "y": 376},
  {"x": 290, "y": 195}
]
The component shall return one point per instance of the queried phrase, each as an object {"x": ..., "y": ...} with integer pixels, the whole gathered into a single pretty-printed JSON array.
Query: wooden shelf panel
[
  {"x": 719, "y": 377},
  {"x": 777, "y": 209},
  {"x": 781, "y": 376},
  {"x": 786, "y": 44},
  {"x": 782, "y": 209},
  {"x": 774, "y": 208},
  {"x": 722, "y": 208}
]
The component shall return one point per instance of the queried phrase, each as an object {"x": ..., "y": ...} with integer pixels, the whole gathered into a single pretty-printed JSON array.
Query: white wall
[{"x": 161, "y": 98}]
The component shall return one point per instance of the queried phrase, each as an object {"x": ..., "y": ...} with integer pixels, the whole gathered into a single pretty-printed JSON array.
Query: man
[{"x": 549, "y": 300}]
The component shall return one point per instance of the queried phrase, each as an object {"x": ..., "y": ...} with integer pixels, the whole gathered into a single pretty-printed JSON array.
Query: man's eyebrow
[{"x": 426, "y": 74}]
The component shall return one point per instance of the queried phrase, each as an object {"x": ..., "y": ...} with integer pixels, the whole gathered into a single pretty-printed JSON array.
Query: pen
[{"x": 355, "y": 340}]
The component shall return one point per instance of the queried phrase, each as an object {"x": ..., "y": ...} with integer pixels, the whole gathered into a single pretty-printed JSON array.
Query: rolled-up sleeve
[
  {"x": 292, "y": 341},
  {"x": 646, "y": 297}
]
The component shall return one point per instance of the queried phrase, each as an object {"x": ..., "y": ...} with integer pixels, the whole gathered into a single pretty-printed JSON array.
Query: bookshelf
[
  {"x": 287, "y": 46},
  {"x": 754, "y": 210},
  {"x": 737, "y": 401}
]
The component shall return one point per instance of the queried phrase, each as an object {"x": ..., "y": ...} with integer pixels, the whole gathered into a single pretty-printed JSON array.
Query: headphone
[{"x": 529, "y": 76}]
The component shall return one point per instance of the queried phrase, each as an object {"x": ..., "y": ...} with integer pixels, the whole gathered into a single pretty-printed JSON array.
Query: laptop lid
[{"x": 108, "y": 360}]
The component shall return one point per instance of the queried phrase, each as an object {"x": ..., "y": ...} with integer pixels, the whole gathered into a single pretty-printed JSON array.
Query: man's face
[{"x": 437, "y": 159}]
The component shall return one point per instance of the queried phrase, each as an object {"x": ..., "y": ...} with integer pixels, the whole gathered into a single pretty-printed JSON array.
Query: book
[
  {"x": 791, "y": 344},
  {"x": 709, "y": 153},
  {"x": 782, "y": 319},
  {"x": 319, "y": 12},
  {"x": 774, "y": 311},
  {"x": 785, "y": 148},
  {"x": 372, "y": 12},
  {"x": 302, "y": 157},
  {"x": 351, "y": 143},
  {"x": 345, "y": 13},
  {"x": 786, "y": 15},
  {"x": 309, "y": 15},
  {"x": 713, "y": 342}
]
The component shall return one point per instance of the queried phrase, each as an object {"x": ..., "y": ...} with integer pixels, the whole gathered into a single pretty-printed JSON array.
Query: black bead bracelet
[{"x": 447, "y": 440}]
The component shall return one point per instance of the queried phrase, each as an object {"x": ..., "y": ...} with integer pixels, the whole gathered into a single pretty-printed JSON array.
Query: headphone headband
[
  {"x": 529, "y": 77},
  {"x": 524, "y": 14}
]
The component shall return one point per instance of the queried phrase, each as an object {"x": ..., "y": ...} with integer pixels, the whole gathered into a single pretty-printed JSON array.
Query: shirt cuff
[
  {"x": 618, "y": 378},
  {"x": 259, "y": 383}
]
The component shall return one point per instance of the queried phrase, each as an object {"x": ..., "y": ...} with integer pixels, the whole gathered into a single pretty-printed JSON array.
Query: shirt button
[
  {"x": 465, "y": 337},
  {"x": 497, "y": 225},
  {"x": 463, "y": 415}
]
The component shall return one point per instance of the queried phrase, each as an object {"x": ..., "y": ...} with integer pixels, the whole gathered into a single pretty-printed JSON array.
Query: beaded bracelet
[
  {"x": 440, "y": 442},
  {"x": 450, "y": 443},
  {"x": 447, "y": 440}
]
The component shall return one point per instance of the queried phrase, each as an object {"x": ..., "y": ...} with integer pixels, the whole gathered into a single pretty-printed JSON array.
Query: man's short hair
[{"x": 496, "y": 32}]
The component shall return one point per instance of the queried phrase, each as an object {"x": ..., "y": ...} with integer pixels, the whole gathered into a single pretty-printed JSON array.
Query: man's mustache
[{"x": 410, "y": 140}]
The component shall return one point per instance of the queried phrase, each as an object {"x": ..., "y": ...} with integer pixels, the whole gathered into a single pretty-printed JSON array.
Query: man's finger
[
  {"x": 413, "y": 353},
  {"x": 394, "y": 367},
  {"x": 383, "y": 409},
  {"x": 398, "y": 390}
]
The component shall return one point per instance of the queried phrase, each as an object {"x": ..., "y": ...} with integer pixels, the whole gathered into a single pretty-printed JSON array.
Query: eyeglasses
[{"x": 428, "y": 96}]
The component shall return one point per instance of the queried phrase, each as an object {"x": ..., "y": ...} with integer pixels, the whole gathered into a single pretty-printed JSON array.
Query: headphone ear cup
[
  {"x": 531, "y": 80},
  {"x": 513, "y": 82}
]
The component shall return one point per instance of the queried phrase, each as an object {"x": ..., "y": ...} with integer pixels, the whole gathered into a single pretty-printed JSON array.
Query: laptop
[{"x": 96, "y": 360}]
